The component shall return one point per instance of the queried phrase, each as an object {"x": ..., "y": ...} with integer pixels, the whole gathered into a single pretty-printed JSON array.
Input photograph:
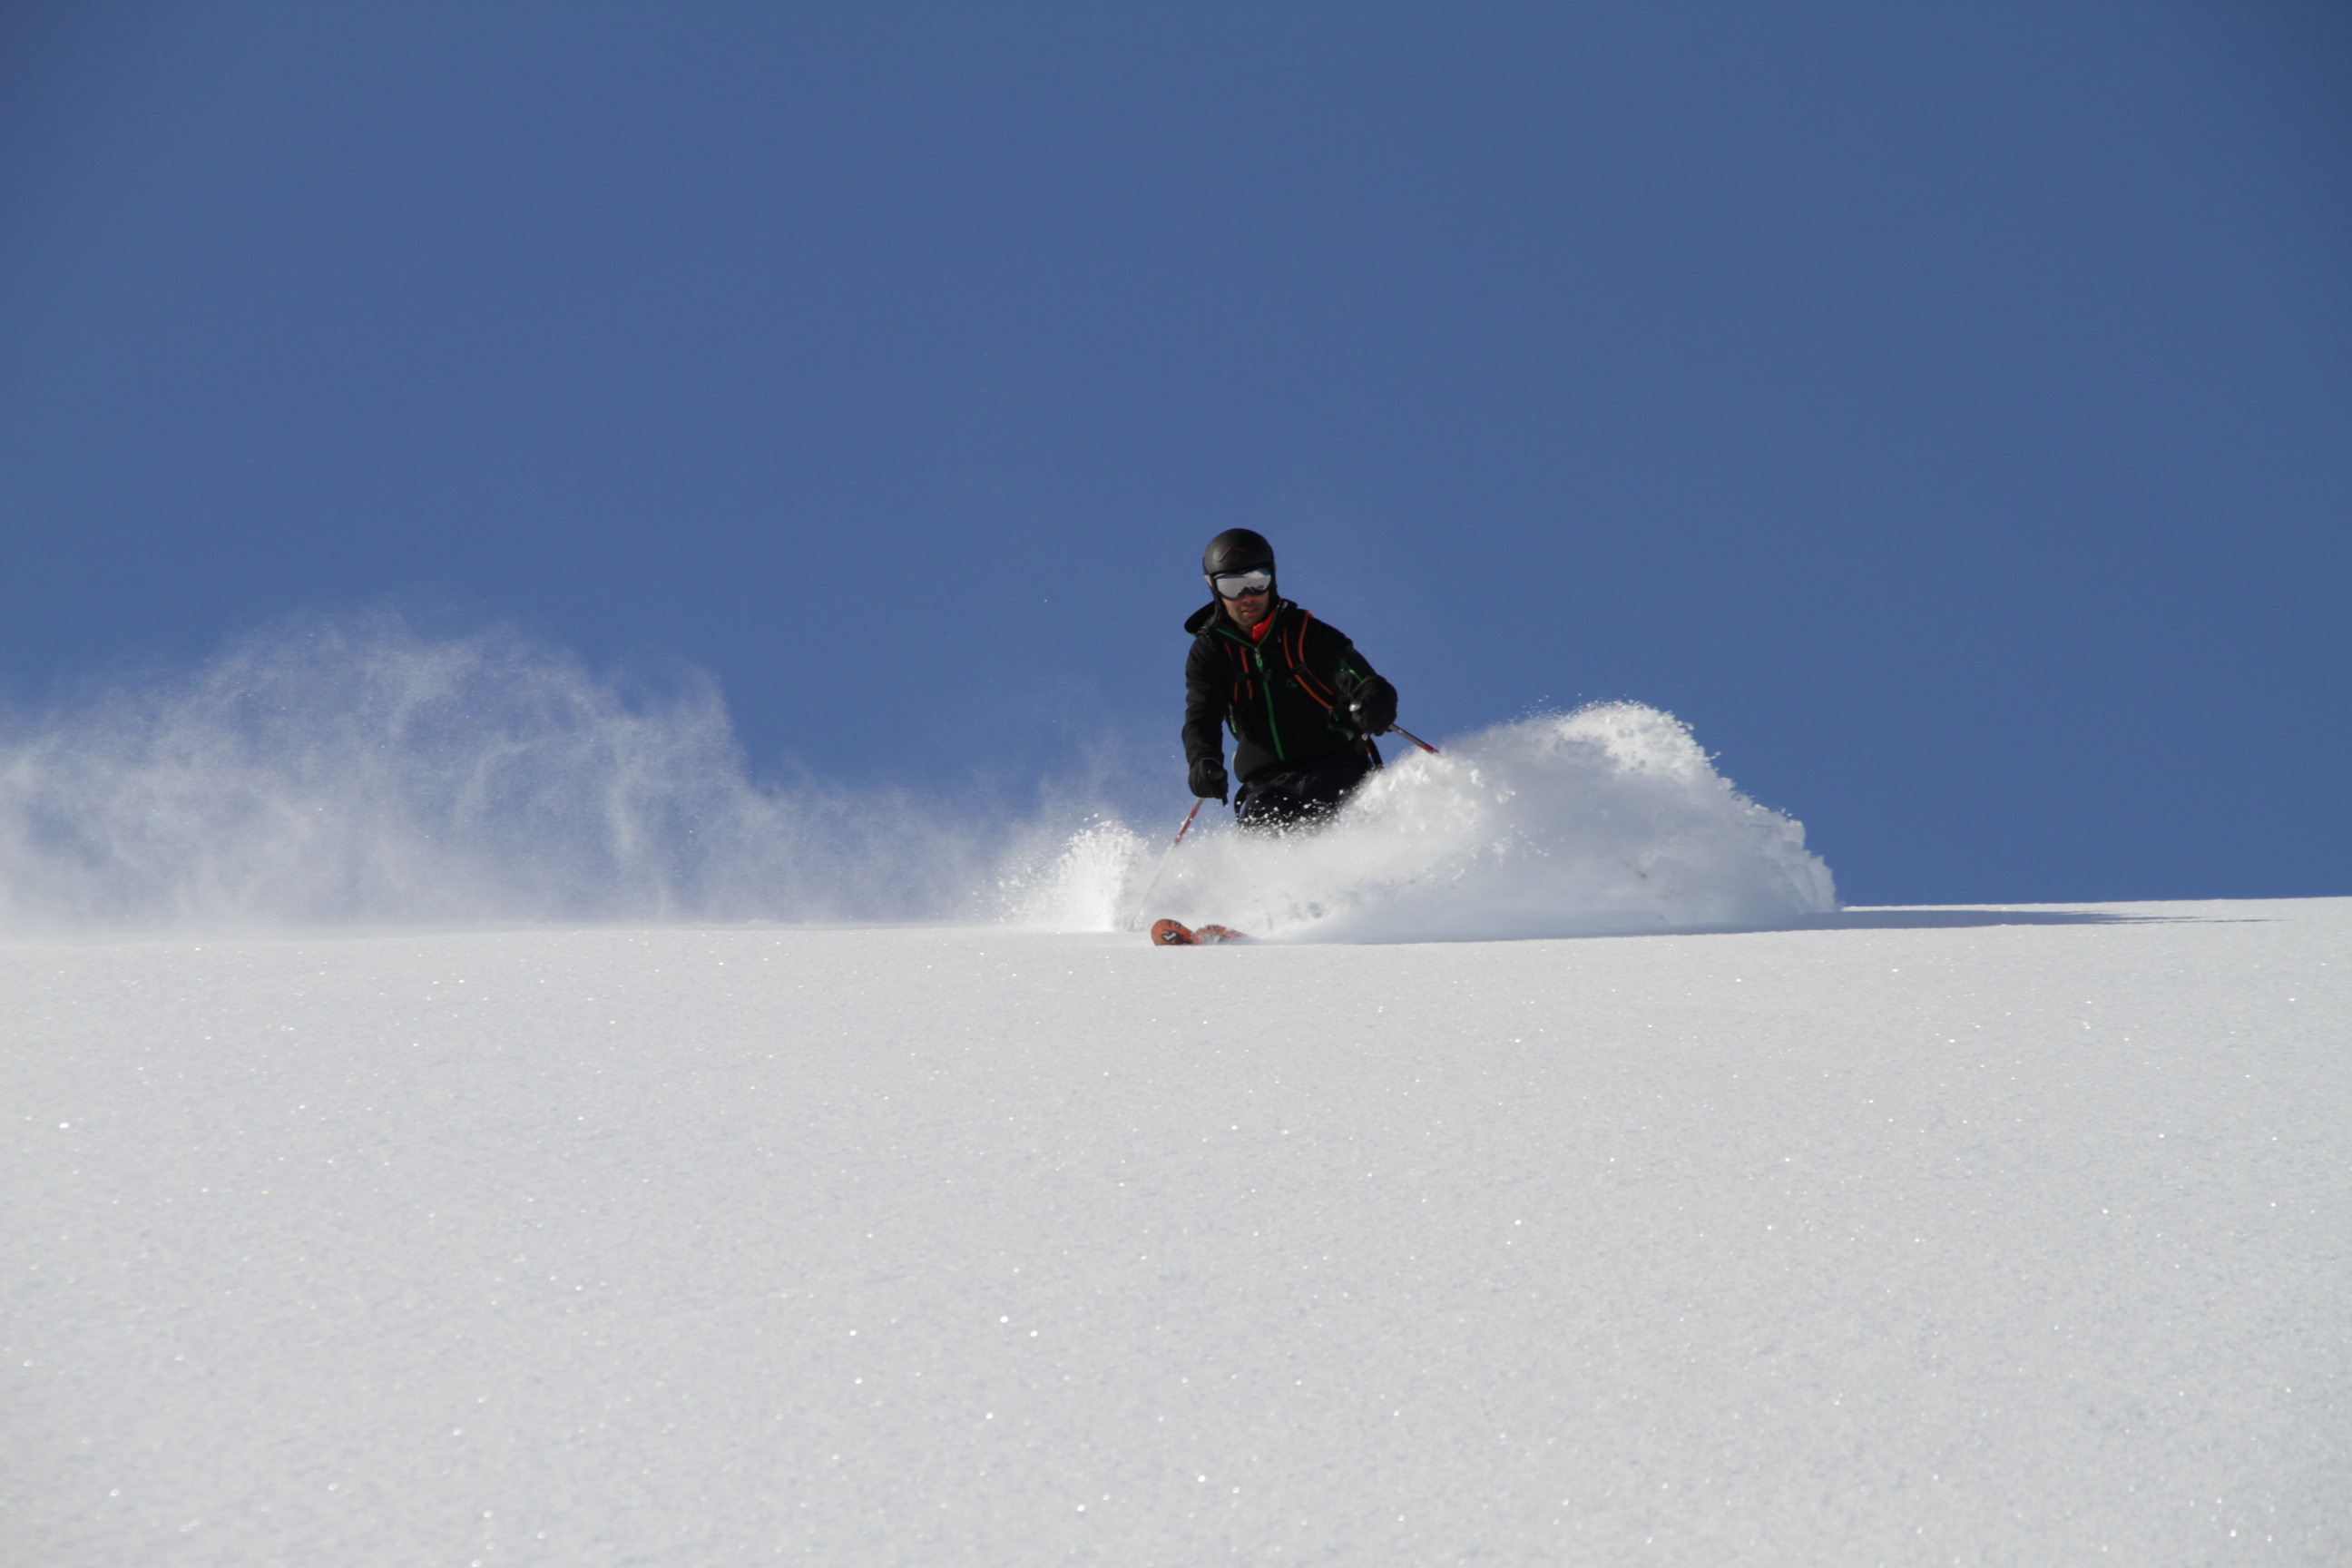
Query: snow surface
[
  {"x": 1769, "y": 1233},
  {"x": 1898, "y": 1237}
]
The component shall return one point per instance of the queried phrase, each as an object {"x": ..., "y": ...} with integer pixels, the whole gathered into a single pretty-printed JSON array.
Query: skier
[{"x": 1302, "y": 703}]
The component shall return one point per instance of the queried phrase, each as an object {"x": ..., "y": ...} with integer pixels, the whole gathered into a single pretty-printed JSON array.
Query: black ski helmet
[{"x": 1235, "y": 550}]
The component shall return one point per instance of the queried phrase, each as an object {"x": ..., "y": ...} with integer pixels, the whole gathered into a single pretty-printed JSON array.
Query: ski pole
[
  {"x": 1145, "y": 896},
  {"x": 1400, "y": 730}
]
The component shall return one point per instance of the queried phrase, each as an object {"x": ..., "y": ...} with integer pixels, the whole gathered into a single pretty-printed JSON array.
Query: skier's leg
[{"x": 1302, "y": 795}]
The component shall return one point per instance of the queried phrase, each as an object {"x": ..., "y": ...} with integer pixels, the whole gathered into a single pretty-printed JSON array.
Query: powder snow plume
[
  {"x": 343, "y": 771},
  {"x": 1609, "y": 819},
  {"x": 349, "y": 771}
]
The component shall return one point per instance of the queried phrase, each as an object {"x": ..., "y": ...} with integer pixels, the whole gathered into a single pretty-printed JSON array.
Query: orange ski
[{"x": 1173, "y": 933}]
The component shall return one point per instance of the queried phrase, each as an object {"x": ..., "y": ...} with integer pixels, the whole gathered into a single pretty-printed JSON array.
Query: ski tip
[{"x": 1174, "y": 934}]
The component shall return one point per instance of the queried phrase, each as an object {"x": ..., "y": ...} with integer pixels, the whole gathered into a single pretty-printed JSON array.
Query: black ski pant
[{"x": 1302, "y": 794}]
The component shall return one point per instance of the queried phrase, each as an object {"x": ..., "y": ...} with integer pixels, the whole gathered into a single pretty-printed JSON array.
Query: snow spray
[
  {"x": 1609, "y": 819},
  {"x": 349, "y": 772}
]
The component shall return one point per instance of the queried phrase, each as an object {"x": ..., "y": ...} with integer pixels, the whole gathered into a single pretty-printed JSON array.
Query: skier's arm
[
  {"x": 1367, "y": 703},
  {"x": 1204, "y": 722}
]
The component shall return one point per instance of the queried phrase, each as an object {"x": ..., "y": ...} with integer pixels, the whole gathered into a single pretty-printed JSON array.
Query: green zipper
[{"x": 1258, "y": 659}]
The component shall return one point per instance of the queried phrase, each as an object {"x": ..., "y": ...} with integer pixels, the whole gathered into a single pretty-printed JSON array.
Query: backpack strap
[
  {"x": 1294, "y": 652},
  {"x": 1245, "y": 683},
  {"x": 1281, "y": 656}
]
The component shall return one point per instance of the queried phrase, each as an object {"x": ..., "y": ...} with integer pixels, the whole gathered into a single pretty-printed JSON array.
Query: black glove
[
  {"x": 1368, "y": 710},
  {"x": 1209, "y": 779}
]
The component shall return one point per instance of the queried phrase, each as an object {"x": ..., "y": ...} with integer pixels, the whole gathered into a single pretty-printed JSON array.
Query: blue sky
[{"x": 1946, "y": 409}]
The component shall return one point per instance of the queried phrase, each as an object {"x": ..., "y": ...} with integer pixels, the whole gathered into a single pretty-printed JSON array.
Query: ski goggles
[{"x": 1233, "y": 584}]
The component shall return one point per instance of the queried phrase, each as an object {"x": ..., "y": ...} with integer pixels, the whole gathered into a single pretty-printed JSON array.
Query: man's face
[
  {"x": 1250, "y": 608},
  {"x": 1248, "y": 596}
]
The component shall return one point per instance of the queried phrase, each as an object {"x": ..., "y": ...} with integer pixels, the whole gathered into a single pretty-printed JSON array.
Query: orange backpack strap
[{"x": 1295, "y": 652}]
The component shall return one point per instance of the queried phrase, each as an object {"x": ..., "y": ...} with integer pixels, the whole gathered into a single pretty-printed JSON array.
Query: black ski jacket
[{"x": 1276, "y": 695}]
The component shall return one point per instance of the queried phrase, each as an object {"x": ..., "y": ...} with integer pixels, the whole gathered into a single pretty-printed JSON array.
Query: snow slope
[{"x": 1901, "y": 1236}]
